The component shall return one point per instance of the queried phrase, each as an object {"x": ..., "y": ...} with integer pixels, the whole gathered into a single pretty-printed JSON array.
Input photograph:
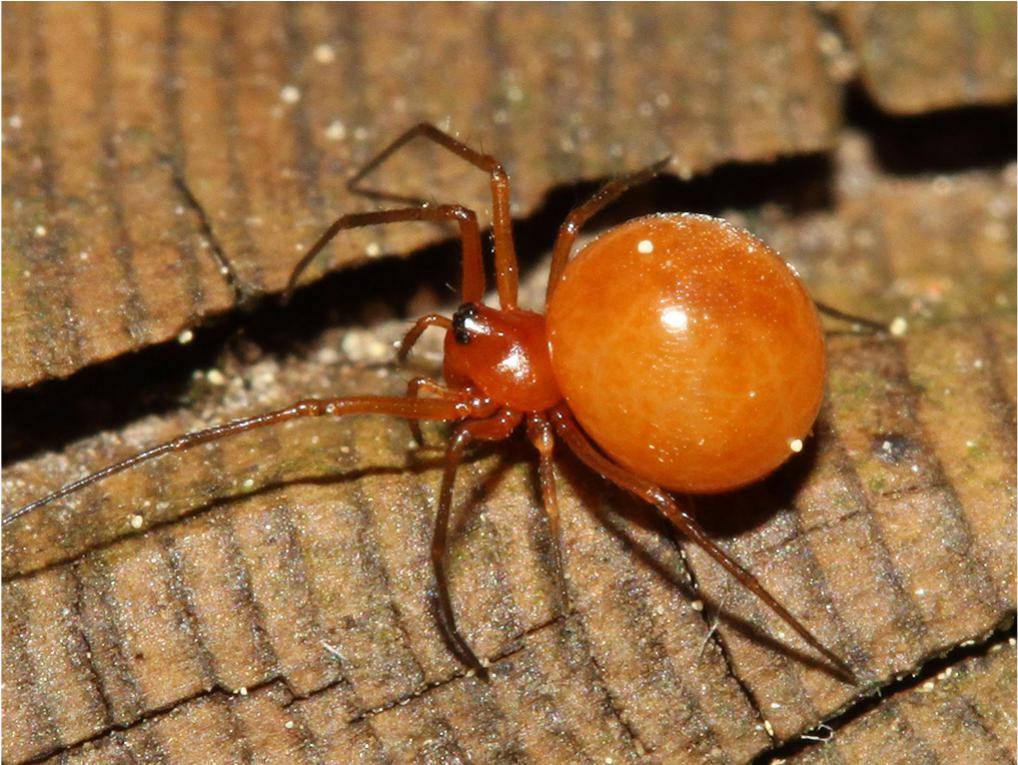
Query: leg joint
[
  {"x": 498, "y": 173},
  {"x": 459, "y": 212}
]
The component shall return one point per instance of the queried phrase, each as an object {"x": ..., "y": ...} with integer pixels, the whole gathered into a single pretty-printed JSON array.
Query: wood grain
[
  {"x": 276, "y": 603},
  {"x": 918, "y": 57},
  {"x": 152, "y": 148},
  {"x": 297, "y": 559},
  {"x": 961, "y": 715}
]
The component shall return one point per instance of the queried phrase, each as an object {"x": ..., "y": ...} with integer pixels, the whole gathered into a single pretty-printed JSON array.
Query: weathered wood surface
[
  {"x": 163, "y": 164},
  {"x": 262, "y": 112},
  {"x": 915, "y": 57},
  {"x": 275, "y": 605},
  {"x": 963, "y": 714},
  {"x": 893, "y": 538}
]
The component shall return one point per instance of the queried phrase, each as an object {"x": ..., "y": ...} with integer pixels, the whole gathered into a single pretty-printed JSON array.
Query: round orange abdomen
[{"x": 688, "y": 350}]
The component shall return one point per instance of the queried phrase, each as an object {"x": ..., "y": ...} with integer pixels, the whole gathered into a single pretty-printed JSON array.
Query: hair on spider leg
[{"x": 507, "y": 369}]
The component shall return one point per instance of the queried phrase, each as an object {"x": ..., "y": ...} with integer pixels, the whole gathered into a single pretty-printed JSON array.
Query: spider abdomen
[{"x": 688, "y": 350}]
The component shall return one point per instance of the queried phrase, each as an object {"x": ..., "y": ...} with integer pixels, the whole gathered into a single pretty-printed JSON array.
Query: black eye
[{"x": 462, "y": 321}]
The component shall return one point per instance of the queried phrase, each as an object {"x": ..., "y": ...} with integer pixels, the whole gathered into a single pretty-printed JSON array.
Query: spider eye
[{"x": 465, "y": 323}]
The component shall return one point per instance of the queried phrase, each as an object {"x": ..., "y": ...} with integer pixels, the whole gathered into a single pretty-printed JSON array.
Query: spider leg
[
  {"x": 416, "y": 409},
  {"x": 470, "y": 236},
  {"x": 570, "y": 432},
  {"x": 411, "y": 337},
  {"x": 495, "y": 428},
  {"x": 413, "y": 390},
  {"x": 852, "y": 318},
  {"x": 570, "y": 228},
  {"x": 506, "y": 274},
  {"x": 542, "y": 436}
]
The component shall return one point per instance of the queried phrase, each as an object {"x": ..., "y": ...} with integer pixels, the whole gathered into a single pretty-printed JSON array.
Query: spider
[{"x": 677, "y": 353}]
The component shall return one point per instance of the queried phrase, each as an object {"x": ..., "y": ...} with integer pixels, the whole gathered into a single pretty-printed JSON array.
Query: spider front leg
[
  {"x": 495, "y": 428},
  {"x": 414, "y": 387},
  {"x": 411, "y": 337},
  {"x": 470, "y": 236},
  {"x": 506, "y": 274},
  {"x": 416, "y": 409},
  {"x": 436, "y": 389}
]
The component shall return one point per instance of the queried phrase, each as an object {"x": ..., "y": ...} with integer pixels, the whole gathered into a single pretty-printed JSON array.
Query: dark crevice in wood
[
  {"x": 857, "y": 709},
  {"x": 943, "y": 141},
  {"x": 951, "y": 139},
  {"x": 108, "y": 395}
]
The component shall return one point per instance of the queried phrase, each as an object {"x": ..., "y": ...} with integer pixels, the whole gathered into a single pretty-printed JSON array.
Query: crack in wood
[
  {"x": 907, "y": 681},
  {"x": 242, "y": 293}
]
